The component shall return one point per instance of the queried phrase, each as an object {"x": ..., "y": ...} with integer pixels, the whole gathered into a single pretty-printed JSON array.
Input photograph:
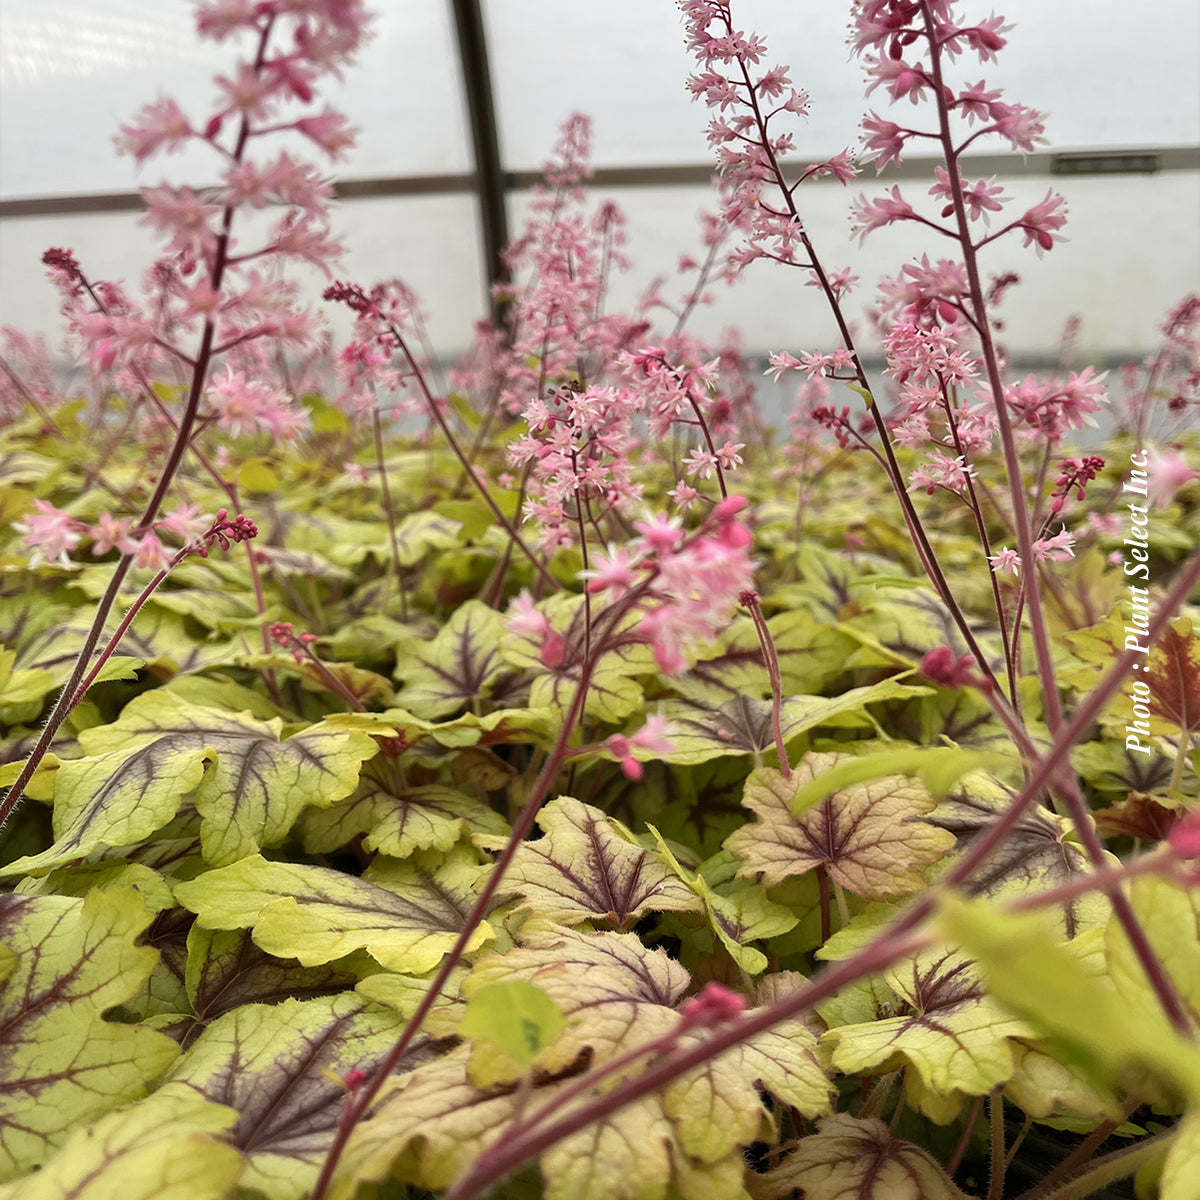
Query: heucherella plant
[{"x": 574, "y": 792}]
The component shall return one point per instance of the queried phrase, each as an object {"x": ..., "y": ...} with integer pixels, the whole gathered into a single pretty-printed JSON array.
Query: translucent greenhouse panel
[
  {"x": 431, "y": 242},
  {"x": 1084, "y": 62},
  {"x": 1119, "y": 288},
  {"x": 72, "y": 71}
]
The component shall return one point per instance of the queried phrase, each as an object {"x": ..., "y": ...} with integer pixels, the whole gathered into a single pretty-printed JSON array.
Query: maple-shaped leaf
[
  {"x": 1069, "y": 1000},
  {"x": 317, "y": 915},
  {"x": 118, "y": 798},
  {"x": 869, "y": 837},
  {"x": 397, "y": 820},
  {"x": 259, "y": 782},
  {"x": 280, "y": 1067},
  {"x": 853, "y": 1158},
  {"x": 1173, "y": 676},
  {"x": 588, "y": 866},
  {"x": 63, "y": 964},
  {"x": 945, "y": 1026},
  {"x": 159, "y": 1149},
  {"x": 613, "y": 689},
  {"x": 1170, "y": 672},
  {"x": 458, "y": 667}
]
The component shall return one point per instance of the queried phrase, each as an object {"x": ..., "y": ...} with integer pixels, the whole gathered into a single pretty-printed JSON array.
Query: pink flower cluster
[
  {"x": 203, "y": 278},
  {"x": 652, "y": 737},
  {"x": 906, "y": 46},
  {"x": 51, "y": 535},
  {"x": 577, "y": 454},
  {"x": 689, "y": 585},
  {"x": 747, "y": 99}
]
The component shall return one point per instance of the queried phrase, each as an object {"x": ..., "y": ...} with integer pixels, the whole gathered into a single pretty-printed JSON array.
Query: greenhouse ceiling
[{"x": 447, "y": 84}]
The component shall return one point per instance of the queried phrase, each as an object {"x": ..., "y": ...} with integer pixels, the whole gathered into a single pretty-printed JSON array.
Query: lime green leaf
[
  {"x": 258, "y": 784},
  {"x": 1178, "y": 1180},
  {"x": 256, "y": 475},
  {"x": 1034, "y": 974},
  {"x": 279, "y": 1067},
  {"x": 70, "y": 961},
  {"x": 853, "y": 1157},
  {"x": 869, "y": 837},
  {"x": 317, "y": 915},
  {"x": 955, "y": 1036},
  {"x": 517, "y": 1017},
  {"x": 1170, "y": 917},
  {"x": 739, "y": 912},
  {"x": 588, "y": 866},
  {"x": 938, "y": 768},
  {"x": 457, "y": 667},
  {"x": 118, "y": 798},
  {"x": 397, "y": 820},
  {"x": 160, "y": 1149}
]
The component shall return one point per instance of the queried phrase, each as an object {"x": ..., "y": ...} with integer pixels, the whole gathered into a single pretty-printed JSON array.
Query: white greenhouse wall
[{"x": 71, "y": 71}]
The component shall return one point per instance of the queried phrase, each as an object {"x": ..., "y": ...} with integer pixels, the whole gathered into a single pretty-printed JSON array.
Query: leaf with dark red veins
[
  {"x": 225, "y": 969},
  {"x": 63, "y": 964},
  {"x": 318, "y": 915},
  {"x": 955, "y": 1037},
  {"x": 1039, "y": 852},
  {"x": 809, "y": 654},
  {"x": 744, "y": 724},
  {"x": 154, "y": 1150},
  {"x": 615, "y": 995},
  {"x": 258, "y": 783},
  {"x": 869, "y": 837},
  {"x": 588, "y": 867},
  {"x": 851, "y": 1158},
  {"x": 458, "y": 667},
  {"x": 397, "y": 820},
  {"x": 1174, "y": 676},
  {"x": 279, "y": 1067},
  {"x": 115, "y": 799}
]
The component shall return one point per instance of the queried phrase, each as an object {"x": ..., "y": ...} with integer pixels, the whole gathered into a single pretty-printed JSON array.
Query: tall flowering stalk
[
  {"x": 942, "y": 334},
  {"x": 213, "y": 299}
]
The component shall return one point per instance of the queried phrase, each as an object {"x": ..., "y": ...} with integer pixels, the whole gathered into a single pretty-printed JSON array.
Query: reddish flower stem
[{"x": 67, "y": 698}]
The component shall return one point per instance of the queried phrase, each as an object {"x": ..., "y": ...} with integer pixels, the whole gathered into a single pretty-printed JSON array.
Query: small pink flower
[
  {"x": 1006, "y": 562},
  {"x": 50, "y": 533}
]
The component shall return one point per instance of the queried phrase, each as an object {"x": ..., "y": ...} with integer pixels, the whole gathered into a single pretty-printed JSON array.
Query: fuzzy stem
[{"x": 771, "y": 658}]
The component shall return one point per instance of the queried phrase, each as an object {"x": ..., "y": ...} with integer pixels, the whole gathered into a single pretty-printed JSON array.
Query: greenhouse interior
[{"x": 599, "y": 601}]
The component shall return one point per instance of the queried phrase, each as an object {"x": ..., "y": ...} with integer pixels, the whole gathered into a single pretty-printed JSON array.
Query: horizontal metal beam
[{"x": 1106, "y": 161}]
